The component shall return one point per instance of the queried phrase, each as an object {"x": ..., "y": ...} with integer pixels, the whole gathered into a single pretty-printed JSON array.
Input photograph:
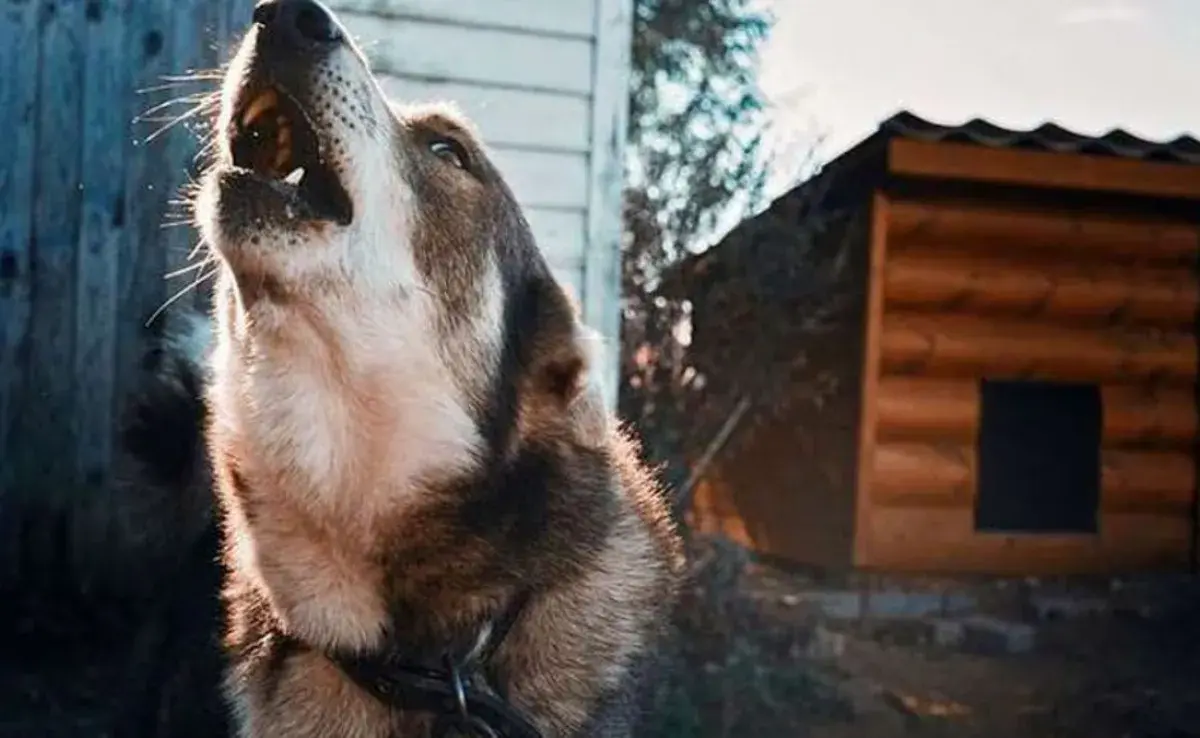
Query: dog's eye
[{"x": 449, "y": 150}]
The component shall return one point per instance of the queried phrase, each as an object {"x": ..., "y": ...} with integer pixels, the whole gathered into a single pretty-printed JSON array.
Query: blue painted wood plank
[
  {"x": 218, "y": 49},
  {"x": 18, "y": 114},
  {"x": 239, "y": 14},
  {"x": 141, "y": 283},
  {"x": 102, "y": 229},
  {"x": 191, "y": 35},
  {"x": 46, "y": 403}
]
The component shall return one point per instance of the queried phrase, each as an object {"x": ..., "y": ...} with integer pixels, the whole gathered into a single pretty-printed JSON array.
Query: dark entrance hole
[{"x": 1039, "y": 457}]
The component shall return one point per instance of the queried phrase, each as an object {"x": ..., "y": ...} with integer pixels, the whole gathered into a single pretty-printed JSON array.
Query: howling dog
[{"x": 432, "y": 526}]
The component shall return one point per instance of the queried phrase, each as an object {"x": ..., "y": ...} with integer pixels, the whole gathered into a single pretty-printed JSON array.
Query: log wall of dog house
[{"x": 969, "y": 292}]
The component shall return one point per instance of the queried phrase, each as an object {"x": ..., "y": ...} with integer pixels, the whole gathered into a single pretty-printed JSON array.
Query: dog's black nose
[{"x": 298, "y": 22}]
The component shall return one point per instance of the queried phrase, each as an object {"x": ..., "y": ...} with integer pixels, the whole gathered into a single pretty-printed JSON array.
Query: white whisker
[{"x": 175, "y": 298}]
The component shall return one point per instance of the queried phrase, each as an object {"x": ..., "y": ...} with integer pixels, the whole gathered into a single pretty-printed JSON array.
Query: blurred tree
[
  {"x": 695, "y": 157},
  {"x": 697, "y": 116},
  {"x": 700, "y": 151}
]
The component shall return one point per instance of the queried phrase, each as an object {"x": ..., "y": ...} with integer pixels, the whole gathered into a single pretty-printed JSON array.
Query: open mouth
[{"x": 273, "y": 138}]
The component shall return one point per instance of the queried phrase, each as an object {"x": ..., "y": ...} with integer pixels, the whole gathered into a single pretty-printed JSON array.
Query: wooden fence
[{"x": 87, "y": 197}]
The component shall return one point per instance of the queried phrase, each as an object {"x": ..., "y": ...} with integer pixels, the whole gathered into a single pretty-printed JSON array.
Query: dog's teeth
[
  {"x": 294, "y": 178},
  {"x": 260, "y": 105}
]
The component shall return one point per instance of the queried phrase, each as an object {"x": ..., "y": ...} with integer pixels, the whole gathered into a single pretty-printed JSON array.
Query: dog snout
[{"x": 299, "y": 24}]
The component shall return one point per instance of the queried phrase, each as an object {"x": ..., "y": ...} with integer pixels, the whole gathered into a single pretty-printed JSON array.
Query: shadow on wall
[{"x": 111, "y": 617}]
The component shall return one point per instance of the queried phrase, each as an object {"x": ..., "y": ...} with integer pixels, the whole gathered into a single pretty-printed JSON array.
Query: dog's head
[{"x": 387, "y": 231}]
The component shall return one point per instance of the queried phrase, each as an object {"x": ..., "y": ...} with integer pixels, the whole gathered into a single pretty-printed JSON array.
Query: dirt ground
[
  {"x": 1088, "y": 676},
  {"x": 755, "y": 664},
  {"x": 1104, "y": 682}
]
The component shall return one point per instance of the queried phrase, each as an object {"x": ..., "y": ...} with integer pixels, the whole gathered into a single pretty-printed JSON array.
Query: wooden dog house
[{"x": 1019, "y": 366}]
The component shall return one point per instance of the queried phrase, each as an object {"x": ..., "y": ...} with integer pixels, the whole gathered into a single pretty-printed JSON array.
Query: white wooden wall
[{"x": 546, "y": 83}]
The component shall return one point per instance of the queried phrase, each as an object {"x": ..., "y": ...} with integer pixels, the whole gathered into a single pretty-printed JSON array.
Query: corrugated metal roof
[
  {"x": 1046, "y": 137},
  {"x": 847, "y": 176}
]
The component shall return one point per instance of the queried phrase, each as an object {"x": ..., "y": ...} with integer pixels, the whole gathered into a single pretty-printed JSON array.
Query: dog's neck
[
  {"x": 337, "y": 428},
  {"x": 344, "y": 410},
  {"x": 460, "y": 690}
]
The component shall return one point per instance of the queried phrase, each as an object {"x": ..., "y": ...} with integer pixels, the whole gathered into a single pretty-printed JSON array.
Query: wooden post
[
  {"x": 1194, "y": 542},
  {"x": 102, "y": 230},
  {"x": 50, "y": 395},
  {"x": 18, "y": 94},
  {"x": 710, "y": 451},
  {"x": 872, "y": 328},
  {"x": 610, "y": 102}
]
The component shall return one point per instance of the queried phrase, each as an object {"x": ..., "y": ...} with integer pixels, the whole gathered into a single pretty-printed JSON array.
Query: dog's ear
[
  {"x": 587, "y": 405},
  {"x": 567, "y": 349},
  {"x": 560, "y": 391},
  {"x": 566, "y": 389},
  {"x": 563, "y": 374}
]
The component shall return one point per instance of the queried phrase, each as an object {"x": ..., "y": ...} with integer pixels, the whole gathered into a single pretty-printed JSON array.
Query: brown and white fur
[{"x": 403, "y": 429}]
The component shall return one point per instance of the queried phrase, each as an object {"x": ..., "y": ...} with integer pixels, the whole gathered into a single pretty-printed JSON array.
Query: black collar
[{"x": 460, "y": 691}]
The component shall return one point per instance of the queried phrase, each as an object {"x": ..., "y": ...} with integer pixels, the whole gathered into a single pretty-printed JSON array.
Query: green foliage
[
  {"x": 695, "y": 156},
  {"x": 696, "y": 117}
]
